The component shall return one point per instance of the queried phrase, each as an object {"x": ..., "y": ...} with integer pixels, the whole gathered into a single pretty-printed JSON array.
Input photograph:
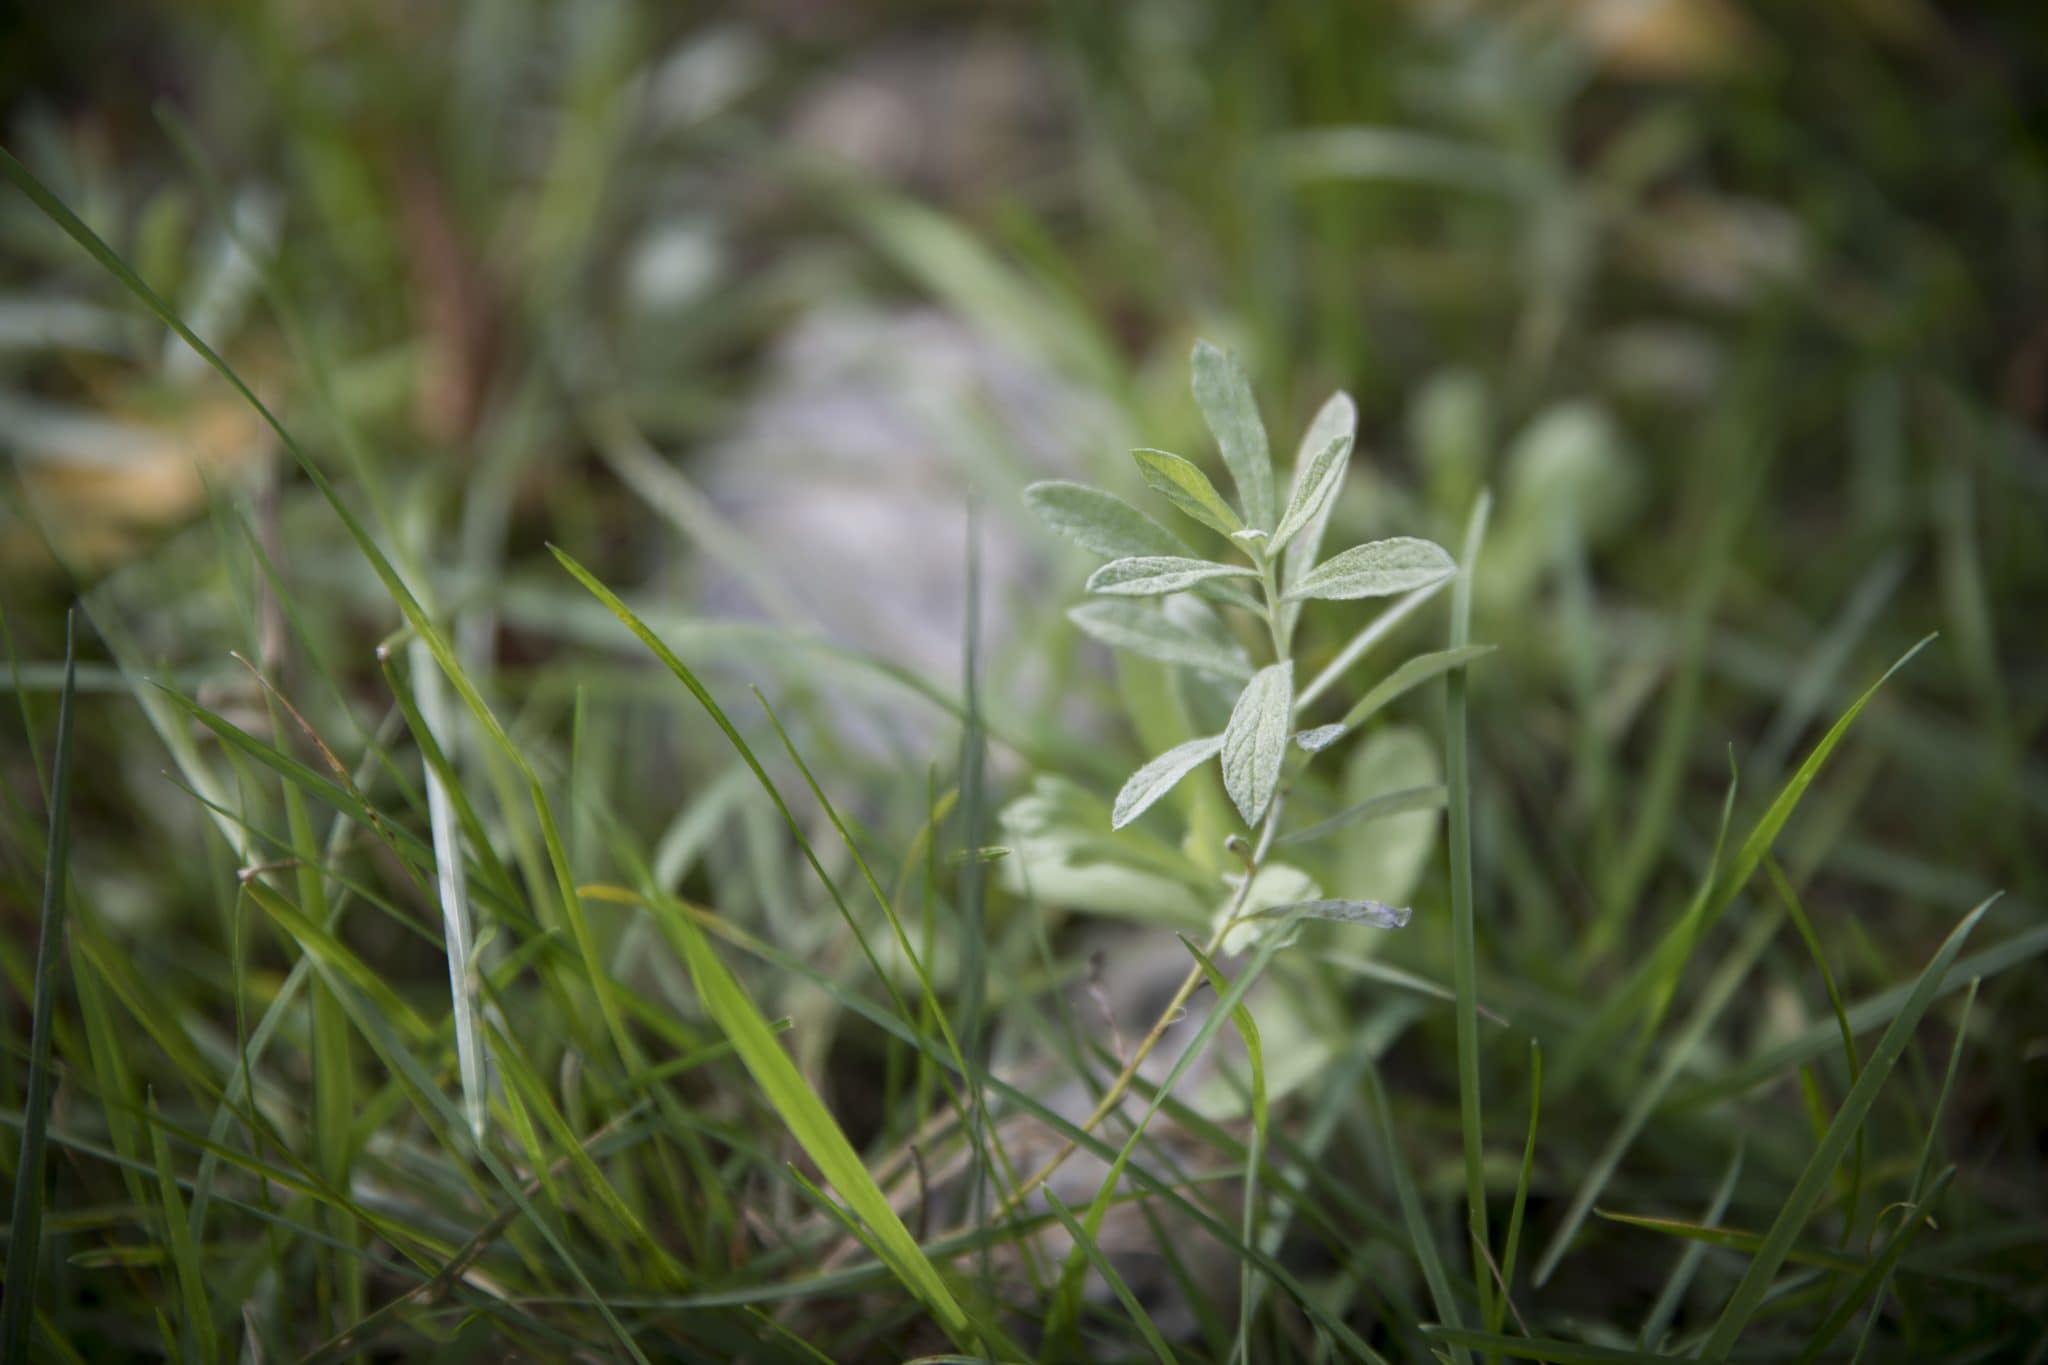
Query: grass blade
[
  {"x": 1806, "y": 1194},
  {"x": 813, "y": 1126},
  {"x": 1420, "y": 1238},
  {"x": 1673, "y": 1293},
  {"x": 1521, "y": 1204},
  {"x": 1105, "y": 1268},
  {"x": 1255, "y": 1053},
  {"x": 1713, "y": 1001},
  {"x": 24, "y": 1240},
  {"x": 199, "y": 1330},
  {"x": 1464, "y": 936}
]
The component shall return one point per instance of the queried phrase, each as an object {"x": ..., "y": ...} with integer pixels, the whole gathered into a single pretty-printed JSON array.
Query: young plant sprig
[{"x": 1280, "y": 545}]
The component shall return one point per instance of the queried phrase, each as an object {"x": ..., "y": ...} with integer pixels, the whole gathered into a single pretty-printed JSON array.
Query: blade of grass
[
  {"x": 1863, "y": 1016},
  {"x": 1535, "y": 1348},
  {"x": 1255, "y": 1054},
  {"x": 191, "y": 1275},
  {"x": 1870, "y": 1285},
  {"x": 1927, "y": 1146},
  {"x": 1107, "y": 1269},
  {"x": 1514, "y": 1235},
  {"x": 472, "y": 1062},
  {"x": 808, "y": 1119},
  {"x": 1421, "y": 1240},
  {"x": 1464, "y": 936},
  {"x": 1668, "y": 1299},
  {"x": 1855, "y": 1064},
  {"x": 1618, "y": 1012},
  {"x": 1806, "y": 1194},
  {"x": 25, "y": 1237},
  {"x": 1713, "y": 1000}
]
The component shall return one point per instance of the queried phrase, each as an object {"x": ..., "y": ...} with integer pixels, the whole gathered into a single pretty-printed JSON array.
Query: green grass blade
[
  {"x": 1621, "y": 1008},
  {"x": 1255, "y": 1054},
  {"x": 1521, "y": 1204},
  {"x": 1841, "y": 1012},
  {"x": 1420, "y": 1238},
  {"x": 1536, "y": 1348},
  {"x": 1464, "y": 930},
  {"x": 809, "y": 1121},
  {"x": 1415, "y": 672},
  {"x": 1806, "y": 1194},
  {"x": 25, "y": 1238},
  {"x": 1103, "y": 1267},
  {"x": 1878, "y": 1273},
  {"x": 1673, "y": 1293},
  {"x": 1713, "y": 1001},
  {"x": 191, "y": 1275}
]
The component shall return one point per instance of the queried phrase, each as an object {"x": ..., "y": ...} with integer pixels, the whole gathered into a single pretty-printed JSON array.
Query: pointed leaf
[
  {"x": 1316, "y": 740},
  {"x": 1187, "y": 488},
  {"x": 1315, "y": 488},
  {"x": 1225, "y": 396},
  {"x": 1157, "y": 575},
  {"x": 1099, "y": 521},
  {"x": 1255, "y": 741},
  {"x": 1337, "y": 417},
  {"x": 1153, "y": 634},
  {"x": 1407, "y": 678},
  {"x": 1376, "y": 913},
  {"x": 1160, "y": 776},
  {"x": 1380, "y": 568}
]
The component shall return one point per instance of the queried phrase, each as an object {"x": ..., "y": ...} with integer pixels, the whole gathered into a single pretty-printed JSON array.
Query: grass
[{"x": 418, "y": 971}]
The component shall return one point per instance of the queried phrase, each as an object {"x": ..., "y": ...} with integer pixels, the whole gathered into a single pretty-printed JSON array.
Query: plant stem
[
  {"x": 1181, "y": 995},
  {"x": 1464, "y": 949}
]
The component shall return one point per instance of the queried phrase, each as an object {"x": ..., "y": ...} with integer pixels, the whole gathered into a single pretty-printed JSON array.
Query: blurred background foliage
[{"x": 1739, "y": 309}]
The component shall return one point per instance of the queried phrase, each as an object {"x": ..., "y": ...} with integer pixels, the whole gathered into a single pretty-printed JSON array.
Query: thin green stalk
[
  {"x": 25, "y": 1230},
  {"x": 1464, "y": 945}
]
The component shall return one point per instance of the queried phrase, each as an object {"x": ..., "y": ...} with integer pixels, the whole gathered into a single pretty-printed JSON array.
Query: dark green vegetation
[{"x": 449, "y": 958}]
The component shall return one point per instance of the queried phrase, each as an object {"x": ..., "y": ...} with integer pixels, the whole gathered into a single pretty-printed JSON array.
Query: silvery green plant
[
  {"x": 1278, "y": 569},
  {"x": 1157, "y": 597}
]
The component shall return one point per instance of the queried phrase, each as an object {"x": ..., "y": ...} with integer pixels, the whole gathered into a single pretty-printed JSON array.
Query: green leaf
[
  {"x": 1375, "y": 913},
  {"x": 1225, "y": 396},
  {"x": 1255, "y": 741},
  {"x": 1337, "y": 417},
  {"x": 1187, "y": 488},
  {"x": 1401, "y": 802},
  {"x": 1142, "y": 630},
  {"x": 1241, "y": 920},
  {"x": 1813, "y": 1181},
  {"x": 1387, "y": 858},
  {"x": 1160, "y": 776},
  {"x": 1157, "y": 575},
  {"x": 1315, "y": 488},
  {"x": 1316, "y": 740},
  {"x": 1380, "y": 568},
  {"x": 1407, "y": 678},
  {"x": 1099, "y": 521}
]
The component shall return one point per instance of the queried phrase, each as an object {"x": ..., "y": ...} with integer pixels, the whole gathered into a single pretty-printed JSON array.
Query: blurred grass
[{"x": 1736, "y": 311}]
